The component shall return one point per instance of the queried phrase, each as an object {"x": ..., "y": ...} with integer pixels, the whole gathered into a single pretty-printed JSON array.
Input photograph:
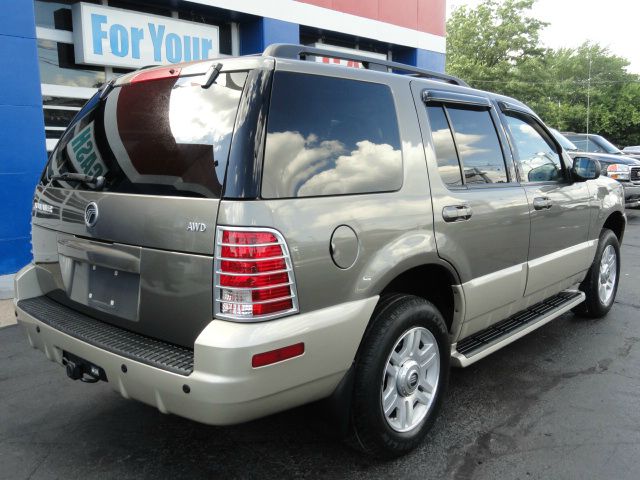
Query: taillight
[{"x": 253, "y": 275}]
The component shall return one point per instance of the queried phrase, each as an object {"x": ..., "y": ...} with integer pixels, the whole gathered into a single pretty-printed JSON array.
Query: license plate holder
[{"x": 113, "y": 291}]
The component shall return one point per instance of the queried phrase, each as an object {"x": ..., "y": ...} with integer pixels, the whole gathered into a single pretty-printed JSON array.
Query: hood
[{"x": 608, "y": 158}]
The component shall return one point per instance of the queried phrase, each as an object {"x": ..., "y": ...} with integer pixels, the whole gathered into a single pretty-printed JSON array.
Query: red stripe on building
[{"x": 423, "y": 15}]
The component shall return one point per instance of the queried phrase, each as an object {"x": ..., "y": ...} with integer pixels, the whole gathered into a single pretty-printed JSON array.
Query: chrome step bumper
[{"x": 485, "y": 342}]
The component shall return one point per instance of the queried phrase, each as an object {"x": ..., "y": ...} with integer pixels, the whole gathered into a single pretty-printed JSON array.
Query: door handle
[
  {"x": 456, "y": 213},
  {"x": 541, "y": 203}
]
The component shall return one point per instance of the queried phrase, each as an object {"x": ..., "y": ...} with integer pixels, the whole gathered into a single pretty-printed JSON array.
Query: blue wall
[
  {"x": 256, "y": 35},
  {"x": 22, "y": 143},
  {"x": 421, "y": 58}
]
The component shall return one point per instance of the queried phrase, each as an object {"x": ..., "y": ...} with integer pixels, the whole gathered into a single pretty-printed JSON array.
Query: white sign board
[{"x": 122, "y": 38}]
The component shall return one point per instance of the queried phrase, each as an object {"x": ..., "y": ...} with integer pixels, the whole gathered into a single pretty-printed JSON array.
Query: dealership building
[{"x": 55, "y": 55}]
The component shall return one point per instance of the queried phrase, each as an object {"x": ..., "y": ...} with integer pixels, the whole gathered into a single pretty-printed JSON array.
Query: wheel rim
[
  {"x": 410, "y": 380},
  {"x": 608, "y": 274}
]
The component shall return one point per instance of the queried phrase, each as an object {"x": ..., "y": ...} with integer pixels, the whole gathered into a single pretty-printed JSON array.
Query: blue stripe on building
[
  {"x": 22, "y": 141},
  {"x": 257, "y": 35}
]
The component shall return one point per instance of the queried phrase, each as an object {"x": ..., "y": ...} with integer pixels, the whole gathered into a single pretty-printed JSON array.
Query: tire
[
  {"x": 599, "y": 299},
  {"x": 396, "y": 321}
]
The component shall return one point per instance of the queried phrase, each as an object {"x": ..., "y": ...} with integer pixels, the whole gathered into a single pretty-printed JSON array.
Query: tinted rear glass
[
  {"x": 330, "y": 136},
  {"x": 160, "y": 137}
]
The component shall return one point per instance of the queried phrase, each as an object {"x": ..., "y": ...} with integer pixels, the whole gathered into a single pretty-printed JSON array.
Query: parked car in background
[
  {"x": 623, "y": 168},
  {"x": 587, "y": 142},
  {"x": 632, "y": 150}
]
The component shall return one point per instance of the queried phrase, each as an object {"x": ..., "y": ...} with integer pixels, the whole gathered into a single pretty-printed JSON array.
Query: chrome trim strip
[
  {"x": 562, "y": 253},
  {"x": 288, "y": 297},
  {"x": 220, "y": 272},
  {"x": 227, "y": 259},
  {"x": 251, "y": 245},
  {"x": 254, "y": 288}
]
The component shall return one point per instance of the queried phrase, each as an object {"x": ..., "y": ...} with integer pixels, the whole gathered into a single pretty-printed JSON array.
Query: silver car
[{"x": 228, "y": 239}]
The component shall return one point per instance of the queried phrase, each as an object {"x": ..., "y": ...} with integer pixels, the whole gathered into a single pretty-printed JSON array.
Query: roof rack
[{"x": 300, "y": 52}]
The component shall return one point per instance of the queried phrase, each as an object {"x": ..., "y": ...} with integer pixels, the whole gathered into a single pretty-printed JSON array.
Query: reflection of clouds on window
[
  {"x": 470, "y": 144},
  {"x": 370, "y": 164},
  {"x": 446, "y": 150},
  {"x": 528, "y": 130},
  {"x": 298, "y": 158},
  {"x": 310, "y": 167},
  {"x": 330, "y": 136},
  {"x": 478, "y": 145},
  {"x": 538, "y": 159},
  {"x": 205, "y": 116},
  {"x": 158, "y": 137}
]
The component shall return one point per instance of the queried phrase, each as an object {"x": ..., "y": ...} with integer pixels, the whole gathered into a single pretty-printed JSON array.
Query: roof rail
[{"x": 300, "y": 52}]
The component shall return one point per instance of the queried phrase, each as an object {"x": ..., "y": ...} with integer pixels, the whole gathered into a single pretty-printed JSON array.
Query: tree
[
  {"x": 497, "y": 47},
  {"x": 492, "y": 41}
]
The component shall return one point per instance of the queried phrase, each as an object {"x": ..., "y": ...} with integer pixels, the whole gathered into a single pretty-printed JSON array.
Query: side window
[
  {"x": 535, "y": 152},
  {"x": 478, "y": 145},
  {"x": 330, "y": 136},
  {"x": 448, "y": 164},
  {"x": 466, "y": 144}
]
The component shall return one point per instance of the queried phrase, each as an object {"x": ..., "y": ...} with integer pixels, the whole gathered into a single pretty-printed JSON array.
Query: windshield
[
  {"x": 593, "y": 144},
  {"x": 159, "y": 137},
  {"x": 606, "y": 145},
  {"x": 563, "y": 141}
]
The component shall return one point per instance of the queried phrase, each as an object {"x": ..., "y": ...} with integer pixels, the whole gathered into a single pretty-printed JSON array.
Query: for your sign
[{"x": 116, "y": 37}]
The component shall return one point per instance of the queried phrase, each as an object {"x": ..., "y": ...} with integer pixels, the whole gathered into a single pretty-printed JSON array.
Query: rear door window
[
  {"x": 478, "y": 145},
  {"x": 446, "y": 156},
  {"x": 466, "y": 143},
  {"x": 158, "y": 137},
  {"x": 330, "y": 136}
]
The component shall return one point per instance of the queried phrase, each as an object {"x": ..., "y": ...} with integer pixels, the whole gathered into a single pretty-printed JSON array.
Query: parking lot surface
[{"x": 560, "y": 403}]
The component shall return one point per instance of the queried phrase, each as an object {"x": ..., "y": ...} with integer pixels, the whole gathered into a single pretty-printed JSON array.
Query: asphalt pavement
[{"x": 561, "y": 403}]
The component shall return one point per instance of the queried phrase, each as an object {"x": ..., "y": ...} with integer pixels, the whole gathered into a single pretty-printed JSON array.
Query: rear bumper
[
  {"x": 223, "y": 387},
  {"x": 631, "y": 195}
]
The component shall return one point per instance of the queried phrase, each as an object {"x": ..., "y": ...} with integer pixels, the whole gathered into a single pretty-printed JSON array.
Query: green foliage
[{"x": 496, "y": 47}]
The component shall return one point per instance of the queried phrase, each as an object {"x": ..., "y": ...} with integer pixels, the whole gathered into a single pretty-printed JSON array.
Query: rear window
[
  {"x": 330, "y": 136},
  {"x": 160, "y": 137}
]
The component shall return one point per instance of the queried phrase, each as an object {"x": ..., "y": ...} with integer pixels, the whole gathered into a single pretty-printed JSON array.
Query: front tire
[
  {"x": 601, "y": 284},
  {"x": 401, "y": 375}
]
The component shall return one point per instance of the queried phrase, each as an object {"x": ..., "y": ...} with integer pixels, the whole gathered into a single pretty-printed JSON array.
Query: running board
[{"x": 487, "y": 341}]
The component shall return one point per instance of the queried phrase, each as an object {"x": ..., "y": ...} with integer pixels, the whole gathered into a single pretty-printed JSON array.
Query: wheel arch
[
  {"x": 437, "y": 283},
  {"x": 616, "y": 223}
]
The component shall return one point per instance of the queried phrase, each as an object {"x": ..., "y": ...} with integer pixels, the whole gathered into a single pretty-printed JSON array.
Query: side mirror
[{"x": 585, "y": 168}]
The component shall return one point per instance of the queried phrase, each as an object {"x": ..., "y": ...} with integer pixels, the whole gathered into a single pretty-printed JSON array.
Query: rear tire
[
  {"x": 403, "y": 367},
  {"x": 601, "y": 284}
]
